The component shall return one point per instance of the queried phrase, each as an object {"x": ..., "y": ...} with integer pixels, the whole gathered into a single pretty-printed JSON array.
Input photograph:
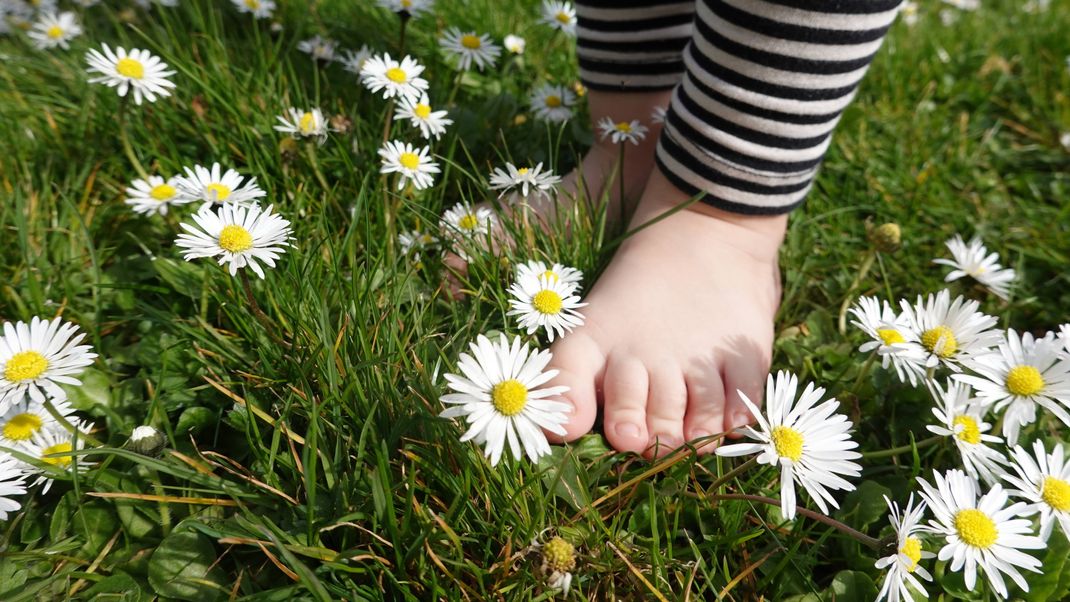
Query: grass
[{"x": 306, "y": 461}]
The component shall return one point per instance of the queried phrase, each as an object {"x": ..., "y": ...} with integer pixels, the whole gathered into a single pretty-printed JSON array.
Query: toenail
[
  {"x": 740, "y": 419},
  {"x": 700, "y": 433},
  {"x": 668, "y": 441},
  {"x": 627, "y": 429}
]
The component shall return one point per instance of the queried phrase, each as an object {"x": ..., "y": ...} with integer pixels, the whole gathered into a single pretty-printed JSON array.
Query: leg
[{"x": 683, "y": 317}]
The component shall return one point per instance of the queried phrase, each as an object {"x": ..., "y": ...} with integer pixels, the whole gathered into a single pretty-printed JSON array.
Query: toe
[
  {"x": 625, "y": 388},
  {"x": 744, "y": 374},
  {"x": 579, "y": 362},
  {"x": 705, "y": 408},
  {"x": 665, "y": 409}
]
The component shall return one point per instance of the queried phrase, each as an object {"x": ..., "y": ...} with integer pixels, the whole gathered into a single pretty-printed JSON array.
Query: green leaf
[
  {"x": 850, "y": 585},
  {"x": 95, "y": 524},
  {"x": 194, "y": 419},
  {"x": 95, "y": 391},
  {"x": 563, "y": 472},
  {"x": 182, "y": 568},
  {"x": 865, "y": 505},
  {"x": 1053, "y": 582},
  {"x": 117, "y": 583}
]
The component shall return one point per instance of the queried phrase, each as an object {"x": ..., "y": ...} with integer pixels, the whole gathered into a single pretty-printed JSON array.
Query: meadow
[{"x": 302, "y": 456}]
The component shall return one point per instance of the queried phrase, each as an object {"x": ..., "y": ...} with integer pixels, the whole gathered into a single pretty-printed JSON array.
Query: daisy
[
  {"x": 401, "y": 79},
  {"x": 522, "y": 182},
  {"x": 303, "y": 124},
  {"x": 53, "y": 30},
  {"x": 468, "y": 48},
  {"x": 556, "y": 273},
  {"x": 155, "y": 195},
  {"x": 353, "y": 61},
  {"x": 12, "y": 483},
  {"x": 810, "y": 442},
  {"x": 414, "y": 241},
  {"x": 28, "y": 417},
  {"x": 462, "y": 221},
  {"x": 903, "y": 565},
  {"x": 1020, "y": 375},
  {"x": 42, "y": 6},
  {"x": 239, "y": 236},
  {"x": 981, "y": 533},
  {"x": 658, "y": 114},
  {"x": 964, "y": 4},
  {"x": 138, "y": 70},
  {"x": 514, "y": 44},
  {"x": 413, "y": 8},
  {"x": 975, "y": 261},
  {"x": 908, "y": 12},
  {"x": 432, "y": 124},
  {"x": 1065, "y": 138},
  {"x": 261, "y": 9},
  {"x": 622, "y": 131},
  {"x": 950, "y": 331},
  {"x": 147, "y": 441},
  {"x": 1064, "y": 339},
  {"x": 560, "y": 16},
  {"x": 319, "y": 48},
  {"x": 411, "y": 163},
  {"x": 545, "y": 302},
  {"x": 552, "y": 103},
  {"x": 36, "y": 358},
  {"x": 498, "y": 393},
  {"x": 1044, "y": 480},
  {"x": 558, "y": 562},
  {"x": 213, "y": 186},
  {"x": 55, "y": 439},
  {"x": 891, "y": 338},
  {"x": 962, "y": 418}
]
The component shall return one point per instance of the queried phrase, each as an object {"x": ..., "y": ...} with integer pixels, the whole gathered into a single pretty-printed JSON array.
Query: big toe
[{"x": 579, "y": 363}]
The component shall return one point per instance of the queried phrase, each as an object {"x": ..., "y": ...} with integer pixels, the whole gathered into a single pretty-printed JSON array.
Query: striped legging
[{"x": 758, "y": 85}]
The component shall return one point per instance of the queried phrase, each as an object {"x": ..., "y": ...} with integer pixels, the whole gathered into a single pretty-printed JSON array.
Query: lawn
[{"x": 303, "y": 456}]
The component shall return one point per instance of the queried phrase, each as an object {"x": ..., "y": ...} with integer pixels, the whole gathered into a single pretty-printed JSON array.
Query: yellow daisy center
[
  {"x": 1056, "y": 493},
  {"x": 553, "y": 101},
  {"x": 624, "y": 127},
  {"x": 406, "y": 3},
  {"x": 163, "y": 192},
  {"x": 397, "y": 75},
  {"x": 307, "y": 123},
  {"x": 522, "y": 171},
  {"x": 128, "y": 67},
  {"x": 1024, "y": 381},
  {"x": 235, "y": 239},
  {"x": 563, "y": 18},
  {"x": 559, "y": 555},
  {"x": 976, "y": 528},
  {"x": 22, "y": 426},
  {"x": 788, "y": 442},
  {"x": 409, "y": 160},
  {"x": 468, "y": 222},
  {"x": 58, "y": 448},
  {"x": 970, "y": 433},
  {"x": 253, "y": 4},
  {"x": 54, "y": 32},
  {"x": 222, "y": 191},
  {"x": 550, "y": 275},
  {"x": 509, "y": 397},
  {"x": 547, "y": 302},
  {"x": 940, "y": 340},
  {"x": 422, "y": 111},
  {"x": 912, "y": 550},
  {"x": 25, "y": 365},
  {"x": 471, "y": 42},
  {"x": 890, "y": 336}
]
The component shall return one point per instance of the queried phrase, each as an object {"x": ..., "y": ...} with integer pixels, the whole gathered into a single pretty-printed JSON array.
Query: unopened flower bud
[
  {"x": 886, "y": 238},
  {"x": 147, "y": 441},
  {"x": 559, "y": 555}
]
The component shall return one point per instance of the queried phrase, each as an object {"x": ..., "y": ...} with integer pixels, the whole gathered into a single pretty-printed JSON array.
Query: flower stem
[
  {"x": 404, "y": 16},
  {"x": 871, "y": 542},
  {"x": 862, "y": 372},
  {"x": 863, "y": 270},
  {"x": 735, "y": 472},
  {"x": 265, "y": 321},
  {"x": 124, "y": 138},
  {"x": 902, "y": 449}
]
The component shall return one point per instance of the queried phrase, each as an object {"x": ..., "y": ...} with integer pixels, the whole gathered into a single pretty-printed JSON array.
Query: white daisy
[
  {"x": 411, "y": 163},
  {"x": 432, "y": 123},
  {"x": 53, "y": 30},
  {"x": 1044, "y": 480},
  {"x": 14, "y": 14},
  {"x": 810, "y": 442},
  {"x": 353, "y": 60},
  {"x": 521, "y": 183},
  {"x": 12, "y": 482},
  {"x": 155, "y": 195},
  {"x": 394, "y": 78},
  {"x": 498, "y": 393},
  {"x": 962, "y": 418},
  {"x": 552, "y": 103},
  {"x": 1064, "y": 140},
  {"x": 514, "y": 44},
  {"x": 42, "y": 6},
  {"x": 212, "y": 186},
  {"x": 56, "y": 439},
  {"x": 468, "y": 48},
  {"x": 904, "y": 565},
  {"x": 414, "y": 8},
  {"x": 1064, "y": 339},
  {"x": 950, "y": 331},
  {"x": 26, "y": 418},
  {"x": 560, "y": 16},
  {"x": 981, "y": 533},
  {"x": 138, "y": 71},
  {"x": 891, "y": 338},
  {"x": 964, "y": 4},
  {"x": 658, "y": 114},
  {"x": 908, "y": 13},
  {"x": 303, "y": 124},
  {"x": 239, "y": 236},
  {"x": 556, "y": 273},
  {"x": 545, "y": 302},
  {"x": 261, "y": 9},
  {"x": 622, "y": 131},
  {"x": 415, "y": 241},
  {"x": 1021, "y": 374},
  {"x": 975, "y": 261},
  {"x": 319, "y": 48},
  {"x": 464, "y": 222},
  {"x": 36, "y": 358}
]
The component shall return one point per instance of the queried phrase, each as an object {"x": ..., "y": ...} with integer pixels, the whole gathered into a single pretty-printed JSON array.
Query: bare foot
[{"x": 681, "y": 319}]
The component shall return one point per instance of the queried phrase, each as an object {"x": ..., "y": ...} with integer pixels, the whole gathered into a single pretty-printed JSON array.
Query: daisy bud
[
  {"x": 147, "y": 441},
  {"x": 886, "y": 238},
  {"x": 558, "y": 555}
]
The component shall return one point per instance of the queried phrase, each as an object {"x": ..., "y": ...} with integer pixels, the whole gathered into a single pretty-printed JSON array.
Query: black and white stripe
[{"x": 764, "y": 84}]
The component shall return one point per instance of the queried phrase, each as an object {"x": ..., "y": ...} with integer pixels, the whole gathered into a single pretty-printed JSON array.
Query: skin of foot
[{"x": 679, "y": 322}]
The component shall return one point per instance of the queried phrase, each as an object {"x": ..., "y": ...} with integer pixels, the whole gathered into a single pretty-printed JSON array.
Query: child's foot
[{"x": 681, "y": 319}]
